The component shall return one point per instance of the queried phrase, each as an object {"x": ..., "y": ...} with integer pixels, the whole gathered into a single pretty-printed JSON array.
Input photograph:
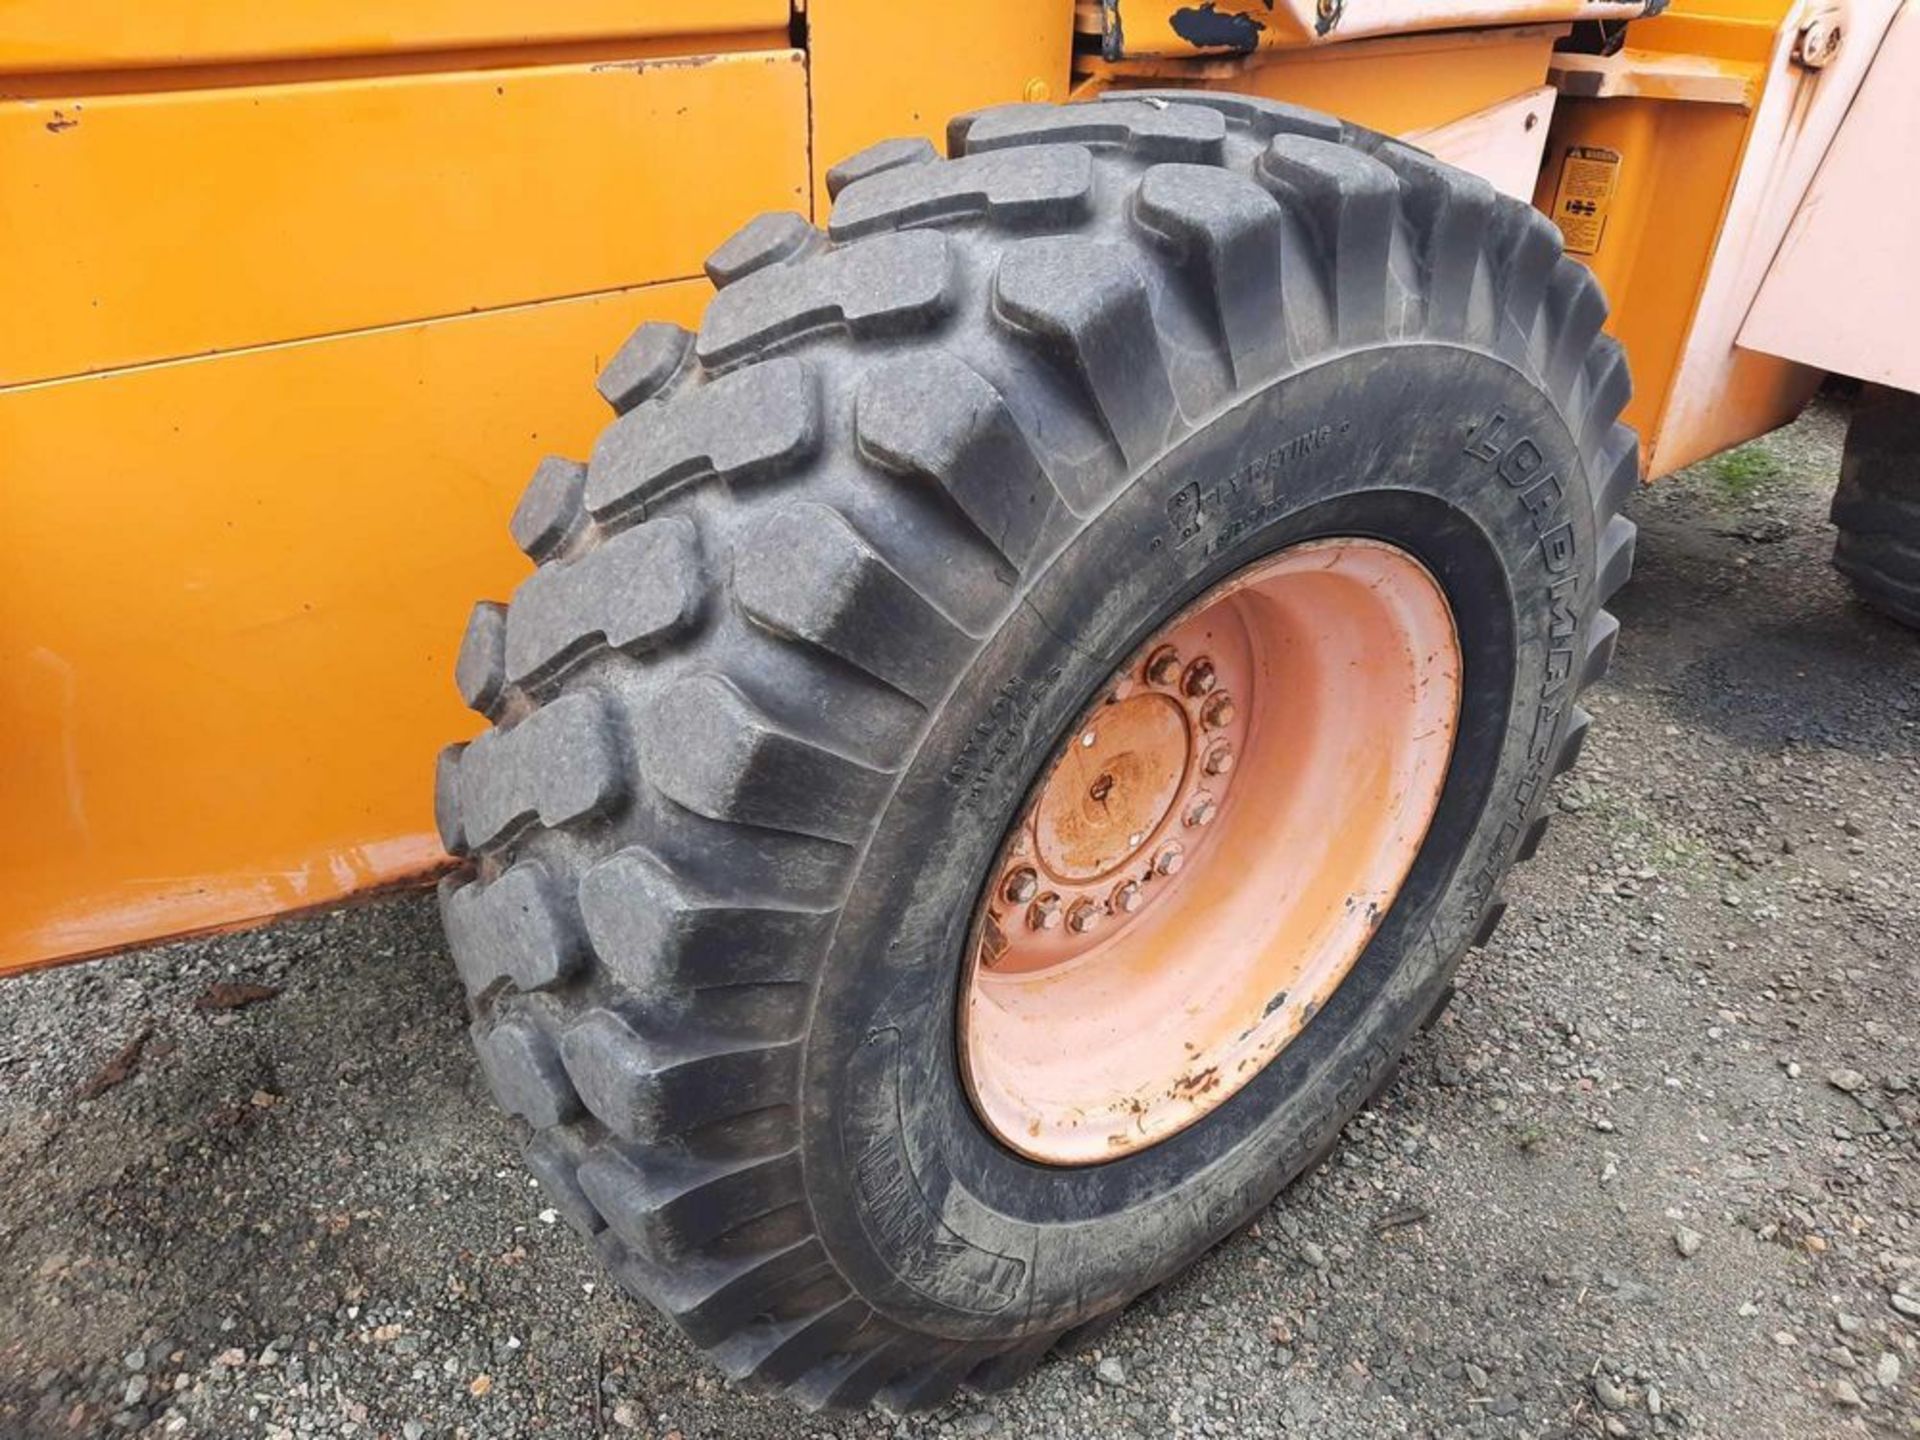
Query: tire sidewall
[{"x": 1447, "y": 452}]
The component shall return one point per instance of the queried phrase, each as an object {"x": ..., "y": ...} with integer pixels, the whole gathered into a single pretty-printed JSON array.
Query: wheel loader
[{"x": 1063, "y": 548}]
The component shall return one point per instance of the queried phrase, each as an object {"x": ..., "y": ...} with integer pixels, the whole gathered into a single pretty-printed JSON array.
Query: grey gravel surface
[{"x": 1653, "y": 1173}]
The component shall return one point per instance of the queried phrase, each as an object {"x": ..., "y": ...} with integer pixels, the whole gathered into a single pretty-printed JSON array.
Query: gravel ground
[{"x": 1652, "y": 1174}]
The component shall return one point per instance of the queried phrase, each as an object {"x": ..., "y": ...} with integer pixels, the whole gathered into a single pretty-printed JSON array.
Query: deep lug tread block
[
  {"x": 633, "y": 593},
  {"x": 1576, "y": 311},
  {"x": 1153, "y": 132},
  {"x": 932, "y": 416},
  {"x": 1530, "y": 841},
  {"x": 1573, "y": 742},
  {"x": 755, "y": 423},
  {"x": 1616, "y": 473},
  {"x": 707, "y": 747},
  {"x": 1608, "y": 388},
  {"x": 661, "y": 936},
  {"x": 1087, "y": 305},
  {"x": 446, "y": 800},
  {"x": 1452, "y": 210},
  {"x": 554, "y": 1157},
  {"x": 524, "y": 1072},
  {"x": 479, "y": 672},
  {"x": 767, "y": 1353},
  {"x": 550, "y": 508},
  {"x": 888, "y": 285},
  {"x": 1490, "y": 922},
  {"x": 521, "y": 927},
  {"x": 1526, "y": 256},
  {"x": 1264, "y": 118},
  {"x": 1228, "y": 229},
  {"x": 852, "y": 1381},
  {"x": 559, "y": 765},
  {"x": 652, "y": 358},
  {"x": 671, "y": 1204},
  {"x": 879, "y": 157},
  {"x": 768, "y": 239},
  {"x": 806, "y": 572},
  {"x": 1615, "y": 565},
  {"x": 999, "y": 1373},
  {"x": 713, "y": 1296},
  {"x": 1046, "y": 185},
  {"x": 1602, "y": 636},
  {"x": 928, "y": 1384},
  {"x": 1349, "y": 200},
  {"x": 650, "y": 1089}
]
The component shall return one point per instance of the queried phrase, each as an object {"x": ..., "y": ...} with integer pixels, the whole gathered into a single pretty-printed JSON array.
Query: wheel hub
[{"x": 1209, "y": 850}]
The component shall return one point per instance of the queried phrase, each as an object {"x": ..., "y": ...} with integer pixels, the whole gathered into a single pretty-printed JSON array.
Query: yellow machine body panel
[{"x": 298, "y": 295}]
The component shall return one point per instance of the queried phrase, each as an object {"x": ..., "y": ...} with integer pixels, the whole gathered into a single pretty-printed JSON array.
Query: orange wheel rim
[{"x": 1209, "y": 851}]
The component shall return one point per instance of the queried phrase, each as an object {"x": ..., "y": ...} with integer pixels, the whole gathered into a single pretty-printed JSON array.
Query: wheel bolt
[
  {"x": 1202, "y": 810},
  {"x": 1200, "y": 677},
  {"x": 1219, "y": 760},
  {"x": 1020, "y": 885},
  {"x": 1044, "y": 913},
  {"x": 1169, "y": 860},
  {"x": 1084, "y": 918},
  {"x": 1126, "y": 897},
  {"x": 1163, "y": 666},
  {"x": 1219, "y": 713}
]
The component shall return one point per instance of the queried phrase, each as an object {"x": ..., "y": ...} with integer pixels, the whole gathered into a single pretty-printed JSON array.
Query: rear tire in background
[
  {"x": 1877, "y": 505},
  {"x": 837, "y": 591}
]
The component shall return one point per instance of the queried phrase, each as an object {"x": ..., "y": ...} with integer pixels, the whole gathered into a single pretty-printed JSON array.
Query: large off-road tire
[
  {"x": 1877, "y": 505},
  {"x": 809, "y": 622}
]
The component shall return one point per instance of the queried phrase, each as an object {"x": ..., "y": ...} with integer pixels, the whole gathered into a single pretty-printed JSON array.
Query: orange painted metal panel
[
  {"x": 90, "y": 34},
  {"x": 1398, "y": 85},
  {"x": 233, "y": 592},
  {"x": 144, "y": 227}
]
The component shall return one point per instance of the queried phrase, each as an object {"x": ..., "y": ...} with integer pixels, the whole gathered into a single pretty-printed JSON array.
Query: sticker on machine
[{"x": 1587, "y": 180}]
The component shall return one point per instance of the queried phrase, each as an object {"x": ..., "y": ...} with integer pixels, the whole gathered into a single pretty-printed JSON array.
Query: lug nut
[
  {"x": 1126, "y": 897},
  {"x": 1163, "y": 666},
  {"x": 1219, "y": 713},
  {"x": 1200, "y": 677},
  {"x": 1044, "y": 913},
  {"x": 1202, "y": 810},
  {"x": 1020, "y": 885},
  {"x": 1169, "y": 860},
  {"x": 1084, "y": 918},
  {"x": 1219, "y": 760}
]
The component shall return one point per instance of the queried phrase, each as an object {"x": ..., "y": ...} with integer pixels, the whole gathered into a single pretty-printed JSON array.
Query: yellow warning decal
[{"x": 1580, "y": 205}]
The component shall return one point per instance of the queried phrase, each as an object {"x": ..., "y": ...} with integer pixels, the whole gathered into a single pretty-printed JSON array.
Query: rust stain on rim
[{"x": 1209, "y": 851}]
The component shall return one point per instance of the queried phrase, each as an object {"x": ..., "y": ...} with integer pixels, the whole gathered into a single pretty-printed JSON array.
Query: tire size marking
[
  {"x": 1216, "y": 515},
  {"x": 1001, "y": 734},
  {"x": 898, "y": 1211},
  {"x": 1522, "y": 467}
]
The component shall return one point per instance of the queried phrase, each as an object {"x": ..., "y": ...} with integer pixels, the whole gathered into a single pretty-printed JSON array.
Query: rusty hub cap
[{"x": 1209, "y": 851}]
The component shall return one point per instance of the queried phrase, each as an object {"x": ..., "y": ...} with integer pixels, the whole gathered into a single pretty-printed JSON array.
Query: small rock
[
  {"x": 976, "y": 1423},
  {"x": 136, "y": 1360},
  {"x": 1110, "y": 1372},
  {"x": 1656, "y": 1402},
  {"x": 136, "y": 1391},
  {"x": 1313, "y": 1255},
  {"x": 1610, "y": 1392},
  {"x": 1785, "y": 1339},
  {"x": 1886, "y": 1371},
  {"x": 1906, "y": 1305},
  {"x": 1850, "y": 1081},
  {"x": 1687, "y": 1241},
  {"x": 1849, "y": 1324},
  {"x": 412, "y": 1430},
  {"x": 1845, "y": 1395}
]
